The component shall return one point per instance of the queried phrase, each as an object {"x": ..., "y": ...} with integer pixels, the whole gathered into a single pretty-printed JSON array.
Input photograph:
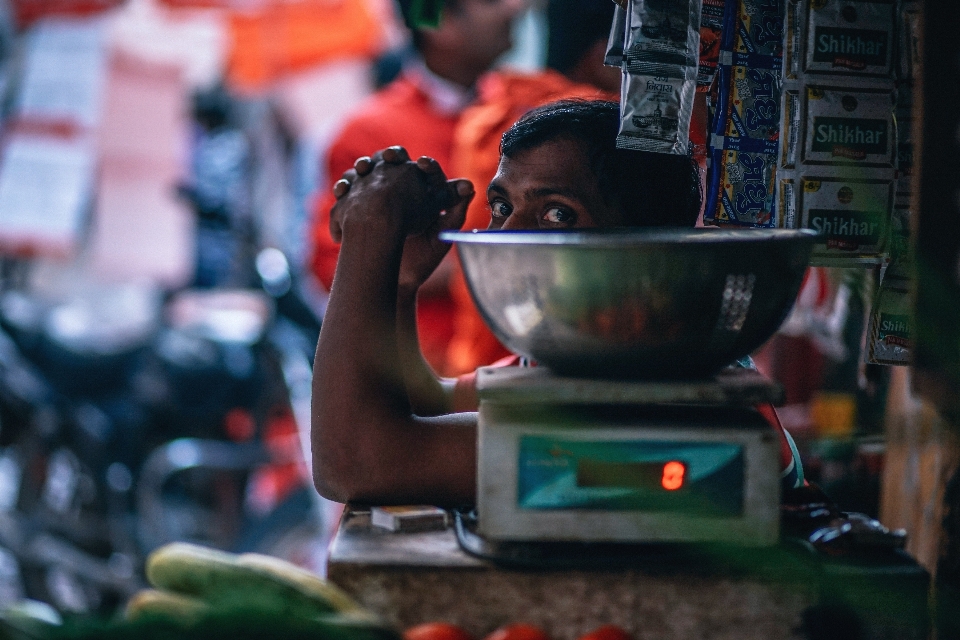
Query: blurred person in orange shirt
[
  {"x": 577, "y": 40},
  {"x": 419, "y": 111}
]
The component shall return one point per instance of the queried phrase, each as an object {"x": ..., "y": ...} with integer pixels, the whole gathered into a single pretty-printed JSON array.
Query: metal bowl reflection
[{"x": 638, "y": 303}]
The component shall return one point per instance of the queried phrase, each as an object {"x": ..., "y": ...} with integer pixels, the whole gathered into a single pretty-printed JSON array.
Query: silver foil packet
[
  {"x": 662, "y": 37},
  {"x": 618, "y": 34},
  {"x": 660, "y": 62},
  {"x": 655, "y": 112}
]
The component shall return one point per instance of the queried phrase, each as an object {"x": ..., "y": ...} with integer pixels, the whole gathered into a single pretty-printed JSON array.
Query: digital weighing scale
[{"x": 610, "y": 461}]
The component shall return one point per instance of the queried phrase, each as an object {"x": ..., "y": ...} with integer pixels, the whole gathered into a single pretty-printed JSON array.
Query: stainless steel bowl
[{"x": 639, "y": 303}]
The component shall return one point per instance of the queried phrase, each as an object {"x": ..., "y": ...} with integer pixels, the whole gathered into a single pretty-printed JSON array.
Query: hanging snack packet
[
  {"x": 663, "y": 37},
  {"x": 746, "y": 192},
  {"x": 890, "y": 340},
  {"x": 711, "y": 30},
  {"x": 661, "y": 53},
  {"x": 755, "y": 27},
  {"x": 614, "y": 55},
  {"x": 753, "y": 107},
  {"x": 655, "y": 113},
  {"x": 750, "y": 73}
]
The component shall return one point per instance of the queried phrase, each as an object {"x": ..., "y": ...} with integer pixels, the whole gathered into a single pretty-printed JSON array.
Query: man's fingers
[
  {"x": 428, "y": 165},
  {"x": 363, "y": 165},
  {"x": 395, "y": 155},
  {"x": 340, "y": 188},
  {"x": 433, "y": 172},
  {"x": 463, "y": 192}
]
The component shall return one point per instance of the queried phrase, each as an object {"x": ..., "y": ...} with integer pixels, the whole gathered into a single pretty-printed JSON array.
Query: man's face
[
  {"x": 483, "y": 28},
  {"x": 550, "y": 186}
]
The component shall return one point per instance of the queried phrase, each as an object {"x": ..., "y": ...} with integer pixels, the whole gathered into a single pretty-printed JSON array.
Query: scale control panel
[{"x": 628, "y": 474}]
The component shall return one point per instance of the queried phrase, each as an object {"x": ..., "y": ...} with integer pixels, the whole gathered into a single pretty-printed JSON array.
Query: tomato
[
  {"x": 607, "y": 632},
  {"x": 519, "y": 631},
  {"x": 436, "y": 631}
]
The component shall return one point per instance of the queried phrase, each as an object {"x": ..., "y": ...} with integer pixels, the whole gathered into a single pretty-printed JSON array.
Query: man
[
  {"x": 577, "y": 42},
  {"x": 420, "y": 111},
  {"x": 384, "y": 430}
]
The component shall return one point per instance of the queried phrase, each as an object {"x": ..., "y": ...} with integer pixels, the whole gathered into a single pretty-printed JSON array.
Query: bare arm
[
  {"x": 428, "y": 394},
  {"x": 423, "y": 256},
  {"x": 367, "y": 444}
]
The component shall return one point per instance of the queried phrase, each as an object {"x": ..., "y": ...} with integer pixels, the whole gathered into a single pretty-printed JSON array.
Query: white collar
[{"x": 448, "y": 98}]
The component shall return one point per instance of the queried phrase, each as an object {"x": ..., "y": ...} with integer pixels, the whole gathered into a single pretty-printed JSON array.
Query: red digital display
[{"x": 673, "y": 475}]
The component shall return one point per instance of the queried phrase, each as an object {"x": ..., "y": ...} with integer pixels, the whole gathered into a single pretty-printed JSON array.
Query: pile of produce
[{"x": 200, "y": 593}]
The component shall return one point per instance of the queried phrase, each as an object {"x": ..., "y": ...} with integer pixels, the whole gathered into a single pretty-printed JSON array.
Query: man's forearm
[
  {"x": 427, "y": 394},
  {"x": 358, "y": 384},
  {"x": 367, "y": 446}
]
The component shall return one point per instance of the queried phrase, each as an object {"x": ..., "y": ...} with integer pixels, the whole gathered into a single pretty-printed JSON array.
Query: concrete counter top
[{"x": 409, "y": 578}]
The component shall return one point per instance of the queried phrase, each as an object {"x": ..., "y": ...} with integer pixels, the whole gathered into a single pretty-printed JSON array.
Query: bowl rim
[{"x": 625, "y": 237}]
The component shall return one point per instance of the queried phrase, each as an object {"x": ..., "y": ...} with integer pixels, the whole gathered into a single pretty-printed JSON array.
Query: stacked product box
[
  {"x": 890, "y": 335},
  {"x": 837, "y": 166}
]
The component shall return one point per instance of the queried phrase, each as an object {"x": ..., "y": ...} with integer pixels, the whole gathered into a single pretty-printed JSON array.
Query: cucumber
[
  {"x": 175, "y": 606},
  {"x": 305, "y": 581},
  {"x": 249, "y": 581},
  {"x": 191, "y": 569}
]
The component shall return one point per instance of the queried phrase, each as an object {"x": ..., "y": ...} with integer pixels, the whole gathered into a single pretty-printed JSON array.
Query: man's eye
[
  {"x": 559, "y": 216},
  {"x": 499, "y": 209}
]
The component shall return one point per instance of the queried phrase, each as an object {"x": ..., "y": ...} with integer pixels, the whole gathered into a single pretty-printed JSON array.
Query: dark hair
[
  {"x": 573, "y": 26},
  {"x": 650, "y": 189}
]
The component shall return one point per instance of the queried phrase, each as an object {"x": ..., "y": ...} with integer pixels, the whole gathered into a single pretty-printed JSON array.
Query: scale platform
[{"x": 582, "y": 460}]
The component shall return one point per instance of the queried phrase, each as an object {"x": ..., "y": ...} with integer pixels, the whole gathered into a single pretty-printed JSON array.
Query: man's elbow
[
  {"x": 331, "y": 483},
  {"x": 352, "y": 480},
  {"x": 328, "y": 488}
]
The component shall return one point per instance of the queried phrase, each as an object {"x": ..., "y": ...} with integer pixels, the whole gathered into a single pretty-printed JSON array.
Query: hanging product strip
[
  {"x": 711, "y": 32},
  {"x": 661, "y": 52},
  {"x": 837, "y": 166},
  {"x": 890, "y": 337},
  {"x": 745, "y": 133}
]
